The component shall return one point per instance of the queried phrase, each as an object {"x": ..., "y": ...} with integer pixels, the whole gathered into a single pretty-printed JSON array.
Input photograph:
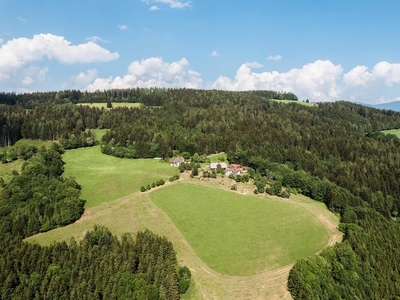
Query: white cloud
[
  {"x": 275, "y": 58},
  {"x": 397, "y": 99},
  {"x": 152, "y": 72},
  {"x": 81, "y": 80},
  {"x": 358, "y": 76},
  {"x": 32, "y": 75},
  {"x": 214, "y": 54},
  {"x": 22, "y": 20},
  {"x": 389, "y": 73},
  {"x": 316, "y": 80},
  {"x": 96, "y": 39},
  {"x": 171, "y": 3},
  {"x": 123, "y": 27},
  {"x": 1, "y": 41},
  {"x": 17, "y": 53},
  {"x": 254, "y": 65},
  {"x": 154, "y": 8},
  {"x": 383, "y": 72}
]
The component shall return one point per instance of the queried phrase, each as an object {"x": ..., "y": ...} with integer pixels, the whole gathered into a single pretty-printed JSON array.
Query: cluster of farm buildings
[{"x": 217, "y": 166}]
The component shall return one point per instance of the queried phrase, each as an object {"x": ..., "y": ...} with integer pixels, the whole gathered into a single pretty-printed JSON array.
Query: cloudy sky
[{"x": 320, "y": 50}]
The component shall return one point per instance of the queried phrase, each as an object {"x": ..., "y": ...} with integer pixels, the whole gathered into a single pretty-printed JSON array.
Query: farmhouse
[
  {"x": 236, "y": 170},
  {"x": 217, "y": 166},
  {"x": 176, "y": 161}
]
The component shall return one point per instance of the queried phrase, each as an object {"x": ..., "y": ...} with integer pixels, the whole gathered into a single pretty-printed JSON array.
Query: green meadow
[
  {"x": 396, "y": 132},
  {"x": 292, "y": 101},
  {"x": 220, "y": 157},
  {"x": 114, "y": 104},
  {"x": 106, "y": 178},
  {"x": 241, "y": 235}
]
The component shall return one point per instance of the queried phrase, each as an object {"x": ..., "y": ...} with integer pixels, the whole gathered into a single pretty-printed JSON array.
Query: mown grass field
[
  {"x": 7, "y": 169},
  {"x": 106, "y": 178},
  {"x": 393, "y": 131},
  {"x": 138, "y": 212},
  {"x": 292, "y": 101},
  {"x": 26, "y": 142},
  {"x": 114, "y": 104},
  {"x": 241, "y": 235},
  {"x": 220, "y": 157}
]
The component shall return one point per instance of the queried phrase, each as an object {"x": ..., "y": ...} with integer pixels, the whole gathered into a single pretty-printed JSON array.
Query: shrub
[
  {"x": 184, "y": 276},
  {"x": 142, "y": 189},
  {"x": 284, "y": 194}
]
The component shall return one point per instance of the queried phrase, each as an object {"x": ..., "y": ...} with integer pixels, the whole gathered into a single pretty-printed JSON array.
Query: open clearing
[
  {"x": 137, "y": 212},
  {"x": 114, "y": 104},
  {"x": 241, "y": 235},
  {"x": 106, "y": 178},
  {"x": 27, "y": 142},
  {"x": 7, "y": 169},
  {"x": 293, "y": 101},
  {"x": 393, "y": 131},
  {"x": 220, "y": 157}
]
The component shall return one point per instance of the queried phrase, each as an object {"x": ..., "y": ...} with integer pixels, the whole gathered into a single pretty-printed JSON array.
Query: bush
[
  {"x": 270, "y": 191},
  {"x": 142, "y": 189},
  {"x": 184, "y": 276},
  {"x": 173, "y": 178},
  {"x": 234, "y": 187},
  {"x": 160, "y": 182},
  {"x": 153, "y": 185},
  {"x": 284, "y": 194},
  {"x": 256, "y": 191}
]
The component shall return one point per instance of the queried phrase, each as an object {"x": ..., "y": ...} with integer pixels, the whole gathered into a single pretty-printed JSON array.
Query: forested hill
[
  {"x": 332, "y": 152},
  {"x": 146, "y": 96}
]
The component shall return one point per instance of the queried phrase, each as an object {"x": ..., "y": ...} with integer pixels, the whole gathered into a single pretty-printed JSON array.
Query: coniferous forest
[{"x": 331, "y": 152}]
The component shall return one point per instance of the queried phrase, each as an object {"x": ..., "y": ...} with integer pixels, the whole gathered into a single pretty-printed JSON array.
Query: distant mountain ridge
[{"x": 390, "y": 105}]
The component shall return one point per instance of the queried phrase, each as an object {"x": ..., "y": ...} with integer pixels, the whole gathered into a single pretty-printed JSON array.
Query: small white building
[
  {"x": 176, "y": 161},
  {"x": 218, "y": 165}
]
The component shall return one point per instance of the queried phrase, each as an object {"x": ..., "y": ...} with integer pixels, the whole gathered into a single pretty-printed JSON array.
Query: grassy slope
[
  {"x": 393, "y": 131},
  {"x": 292, "y": 101},
  {"x": 138, "y": 212},
  {"x": 6, "y": 169},
  {"x": 106, "y": 178},
  {"x": 26, "y": 142},
  {"x": 114, "y": 104},
  {"x": 220, "y": 157},
  {"x": 241, "y": 235}
]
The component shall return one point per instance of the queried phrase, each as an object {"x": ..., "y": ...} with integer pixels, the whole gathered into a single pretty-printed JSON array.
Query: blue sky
[{"x": 320, "y": 50}]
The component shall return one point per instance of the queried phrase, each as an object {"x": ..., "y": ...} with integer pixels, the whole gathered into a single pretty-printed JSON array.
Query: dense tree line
[
  {"x": 332, "y": 152},
  {"x": 146, "y": 96},
  {"x": 39, "y": 198},
  {"x": 364, "y": 266},
  {"x": 52, "y": 122},
  {"x": 99, "y": 267}
]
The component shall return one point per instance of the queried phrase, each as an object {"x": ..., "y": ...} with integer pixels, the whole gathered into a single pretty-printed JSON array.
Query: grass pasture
[
  {"x": 138, "y": 212},
  {"x": 106, "y": 178},
  {"x": 220, "y": 157},
  {"x": 292, "y": 101},
  {"x": 241, "y": 235},
  {"x": 27, "y": 142},
  {"x": 7, "y": 169},
  {"x": 114, "y": 104},
  {"x": 396, "y": 132}
]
